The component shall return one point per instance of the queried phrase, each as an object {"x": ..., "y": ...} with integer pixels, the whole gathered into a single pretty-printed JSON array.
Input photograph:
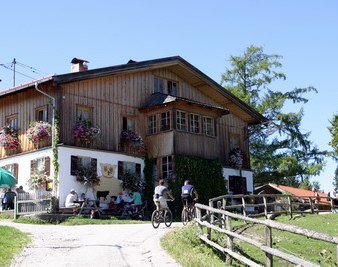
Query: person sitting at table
[
  {"x": 71, "y": 200},
  {"x": 137, "y": 200}
]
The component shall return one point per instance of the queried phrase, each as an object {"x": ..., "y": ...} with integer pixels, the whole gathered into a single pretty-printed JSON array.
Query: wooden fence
[
  {"x": 273, "y": 204},
  {"x": 33, "y": 202},
  {"x": 220, "y": 221}
]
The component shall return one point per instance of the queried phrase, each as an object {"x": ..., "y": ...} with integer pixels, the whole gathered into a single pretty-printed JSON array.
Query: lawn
[
  {"x": 12, "y": 242},
  {"x": 188, "y": 250}
]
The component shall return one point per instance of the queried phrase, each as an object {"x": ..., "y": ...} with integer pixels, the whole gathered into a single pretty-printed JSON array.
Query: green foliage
[
  {"x": 149, "y": 182},
  {"x": 56, "y": 152},
  {"x": 280, "y": 151},
  {"x": 334, "y": 133},
  {"x": 206, "y": 175},
  {"x": 12, "y": 241}
]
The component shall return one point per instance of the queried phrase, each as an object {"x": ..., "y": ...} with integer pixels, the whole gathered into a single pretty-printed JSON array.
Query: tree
[
  {"x": 334, "y": 142},
  {"x": 280, "y": 151}
]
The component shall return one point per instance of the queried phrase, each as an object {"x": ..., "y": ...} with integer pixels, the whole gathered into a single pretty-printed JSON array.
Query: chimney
[{"x": 79, "y": 65}]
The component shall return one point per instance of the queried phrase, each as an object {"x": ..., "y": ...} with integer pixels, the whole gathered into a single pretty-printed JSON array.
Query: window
[
  {"x": 41, "y": 113},
  {"x": 165, "y": 121},
  {"x": 167, "y": 167},
  {"x": 152, "y": 127},
  {"x": 237, "y": 185},
  {"x": 127, "y": 124},
  {"x": 234, "y": 141},
  {"x": 209, "y": 126},
  {"x": 12, "y": 121},
  {"x": 130, "y": 167},
  {"x": 172, "y": 88},
  {"x": 84, "y": 113},
  {"x": 158, "y": 85},
  {"x": 41, "y": 165},
  {"x": 76, "y": 162},
  {"x": 181, "y": 121},
  {"x": 194, "y": 123}
]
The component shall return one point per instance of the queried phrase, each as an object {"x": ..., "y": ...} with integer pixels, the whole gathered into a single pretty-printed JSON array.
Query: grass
[
  {"x": 188, "y": 250},
  {"x": 12, "y": 242}
]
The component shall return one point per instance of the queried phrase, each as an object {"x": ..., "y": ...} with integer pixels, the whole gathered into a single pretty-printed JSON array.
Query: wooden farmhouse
[{"x": 111, "y": 118}]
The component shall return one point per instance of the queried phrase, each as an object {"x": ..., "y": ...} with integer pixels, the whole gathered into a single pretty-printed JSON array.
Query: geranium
[
  {"x": 37, "y": 179},
  {"x": 9, "y": 138},
  {"x": 236, "y": 158},
  {"x": 38, "y": 130},
  {"x": 87, "y": 175},
  {"x": 130, "y": 137},
  {"x": 85, "y": 132}
]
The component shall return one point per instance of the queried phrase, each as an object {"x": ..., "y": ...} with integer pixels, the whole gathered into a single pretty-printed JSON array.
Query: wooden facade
[{"x": 110, "y": 95}]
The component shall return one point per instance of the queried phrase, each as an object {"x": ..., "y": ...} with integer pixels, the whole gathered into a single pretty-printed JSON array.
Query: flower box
[
  {"x": 39, "y": 133},
  {"x": 84, "y": 133},
  {"x": 9, "y": 138}
]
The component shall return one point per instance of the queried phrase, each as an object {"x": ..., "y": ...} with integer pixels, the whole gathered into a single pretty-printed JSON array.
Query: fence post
[
  {"x": 290, "y": 206},
  {"x": 211, "y": 220},
  {"x": 268, "y": 242},
  {"x": 199, "y": 217},
  {"x": 219, "y": 205},
  {"x": 265, "y": 207},
  {"x": 243, "y": 205},
  {"x": 15, "y": 208},
  {"x": 230, "y": 244}
]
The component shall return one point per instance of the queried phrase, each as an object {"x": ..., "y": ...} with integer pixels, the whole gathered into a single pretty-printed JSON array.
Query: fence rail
[
  {"x": 223, "y": 225},
  {"x": 33, "y": 202},
  {"x": 274, "y": 203}
]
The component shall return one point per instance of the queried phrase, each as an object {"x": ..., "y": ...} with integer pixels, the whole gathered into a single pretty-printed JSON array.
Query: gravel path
[{"x": 93, "y": 245}]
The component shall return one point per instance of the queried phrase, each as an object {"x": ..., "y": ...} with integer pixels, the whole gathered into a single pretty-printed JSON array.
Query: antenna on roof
[{"x": 13, "y": 64}]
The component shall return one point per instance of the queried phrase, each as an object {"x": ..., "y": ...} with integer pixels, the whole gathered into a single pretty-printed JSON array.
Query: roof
[
  {"x": 159, "y": 99},
  {"x": 298, "y": 192},
  {"x": 177, "y": 65},
  {"x": 25, "y": 85}
]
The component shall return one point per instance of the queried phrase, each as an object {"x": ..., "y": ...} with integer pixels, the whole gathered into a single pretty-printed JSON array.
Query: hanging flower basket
[
  {"x": 131, "y": 138},
  {"x": 84, "y": 133},
  {"x": 236, "y": 158},
  {"x": 39, "y": 131},
  {"x": 9, "y": 138}
]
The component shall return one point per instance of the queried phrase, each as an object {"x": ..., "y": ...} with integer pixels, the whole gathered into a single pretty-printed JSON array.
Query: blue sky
[{"x": 46, "y": 35}]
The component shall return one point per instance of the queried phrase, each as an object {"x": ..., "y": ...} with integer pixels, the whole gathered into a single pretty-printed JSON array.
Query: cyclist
[
  {"x": 189, "y": 193},
  {"x": 161, "y": 194}
]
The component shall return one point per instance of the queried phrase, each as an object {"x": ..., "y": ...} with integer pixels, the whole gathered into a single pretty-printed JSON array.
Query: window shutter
[
  {"x": 215, "y": 127},
  {"x": 138, "y": 169},
  {"x": 74, "y": 165},
  {"x": 93, "y": 163},
  {"x": 33, "y": 166},
  {"x": 16, "y": 170},
  {"x": 47, "y": 166},
  {"x": 120, "y": 170},
  {"x": 124, "y": 124}
]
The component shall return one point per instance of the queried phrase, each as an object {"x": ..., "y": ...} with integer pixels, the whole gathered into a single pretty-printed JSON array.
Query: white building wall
[
  {"x": 24, "y": 164},
  {"x": 235, "y": 172},
  {"x": 68, "y": 181}
]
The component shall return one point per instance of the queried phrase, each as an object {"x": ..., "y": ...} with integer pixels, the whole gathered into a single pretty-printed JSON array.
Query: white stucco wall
[
  {"x": 24, "y": 164},
  {"x": 68, "y": 181},
  {"x": 235, "y": 172}
]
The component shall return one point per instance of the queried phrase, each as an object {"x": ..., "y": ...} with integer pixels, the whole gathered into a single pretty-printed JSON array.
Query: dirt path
[{"x": 93, "y": 245}]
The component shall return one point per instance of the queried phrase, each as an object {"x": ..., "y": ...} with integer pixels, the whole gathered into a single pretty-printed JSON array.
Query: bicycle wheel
[
  {"x": 155, "y": 219},
  {"x": 184, "y": 216},
  {"x": 191, "y": 214},
  {"x": 168, "y": 218}
]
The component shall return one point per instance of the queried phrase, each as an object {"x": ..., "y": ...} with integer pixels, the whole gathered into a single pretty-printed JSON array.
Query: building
[{"x": 159, "y": 108}]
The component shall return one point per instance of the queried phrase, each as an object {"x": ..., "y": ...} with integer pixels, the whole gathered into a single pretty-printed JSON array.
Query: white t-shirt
[{"x": 70, "y": 200}]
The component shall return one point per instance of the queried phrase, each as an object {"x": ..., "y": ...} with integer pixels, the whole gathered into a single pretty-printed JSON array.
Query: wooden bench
[{"x": 64, "y": 210}]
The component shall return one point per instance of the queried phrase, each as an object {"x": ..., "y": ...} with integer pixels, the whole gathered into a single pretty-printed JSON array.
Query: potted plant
[
  {"x": 131, "y": 139},
  {"x": 9, "y": 138},
  {"x": 84, "y": 132},
  {"x": 38, "y": 131},
  {"x": 87, "y": 175},
  {"x": 236, "y": 158},
  {"x": 38, "y": 179}
]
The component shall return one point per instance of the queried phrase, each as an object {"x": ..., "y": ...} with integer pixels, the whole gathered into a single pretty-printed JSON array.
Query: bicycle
[
  {"x": 188, "y": 212},
  {"x": 162, "y": 215}
]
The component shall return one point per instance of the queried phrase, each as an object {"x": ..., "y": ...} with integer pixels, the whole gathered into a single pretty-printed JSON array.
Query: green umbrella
[{"x": 7, "y": 179}]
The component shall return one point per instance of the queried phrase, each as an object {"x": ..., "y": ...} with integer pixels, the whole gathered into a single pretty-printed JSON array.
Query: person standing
[{"x": 8, "y": 200}]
